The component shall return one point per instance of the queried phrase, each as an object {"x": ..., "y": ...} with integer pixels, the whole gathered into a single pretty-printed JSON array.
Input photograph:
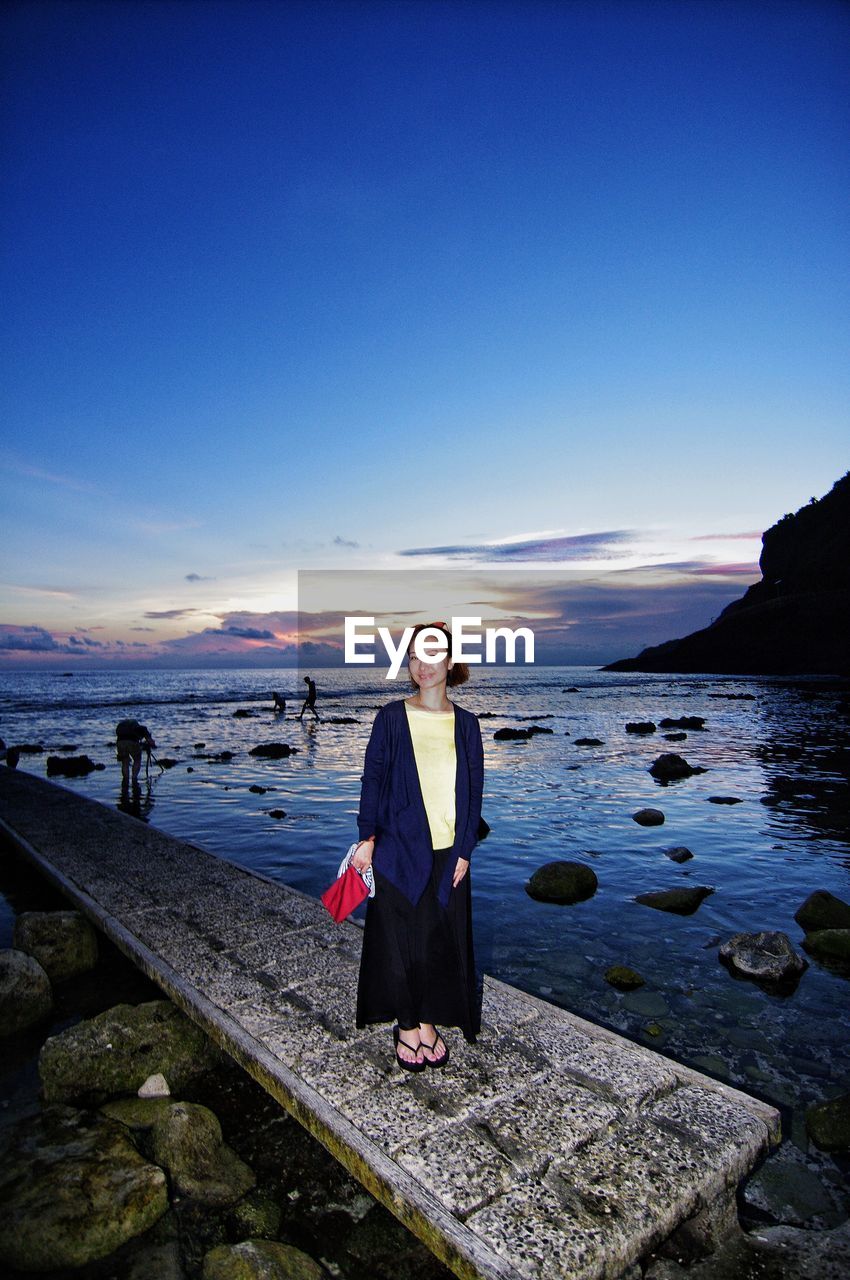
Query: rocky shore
[{"x": 133, "y": 1149}]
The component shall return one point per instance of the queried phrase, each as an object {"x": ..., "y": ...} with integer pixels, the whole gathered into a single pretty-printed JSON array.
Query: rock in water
[
  {"x": 822, "y": 910},
  {"x": 25, "y": 992},
  {"x": 764, "y": 957},
  {"x": 272, "y": 750},
  {"x": 71, "y": 766},
  {"x": 63, "y": 942},
  {"x": 679, "y": 853},
  {"x": 187, "y": 1141},
  {"x": 682, "y": 902},
  {"x": 640, "y": 726},
  {"x": 511, "y": 735},
  {"x": 828, "y": 1123},
  {"x": 670, "y": 768},
  {"x": 564, "y": 882},
  {"x": 118, "y": 1050},
  {"x": 260, "y": 1260},
  {"x": 623, "y": 978},
  {"x": 73, "y": 1188},
  {"x": 829, "y": 945},
  {"x": 649, "y": 818}
]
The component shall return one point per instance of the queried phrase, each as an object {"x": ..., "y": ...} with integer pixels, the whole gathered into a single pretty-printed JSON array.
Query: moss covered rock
[
  {"x": 822, "y": 910},
  {"x": 25, "y": 992},
  {"x": 828, "y": 1123},
  {"x": 186, "y": 1140},
  {"x": 829, "y": 944},
  {"x": 63, "y": 942},
  {"x": 563, "y": 882},
  {"x": 73, "y": 1188},
  {"x": 139, "y": 1114},
  {"x": 115, "y": 1052},
  {"x": 623, "y": 978},
  {"x": 764, "y": 957},
  {"x": 260, "y": 1260},
  {"x": 256, "y": 1215}
]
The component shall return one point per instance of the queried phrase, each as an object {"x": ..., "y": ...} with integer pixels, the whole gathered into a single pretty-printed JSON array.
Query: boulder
[
  {"x": 74, "y": 1188},
  {"x": 272, "y": 750},
  {"x": 822, "y": 910},
  {"x": 683, "y": 722},
  {"x": 537, "y": 728},
  {"x": 186, "y": 1140},
  {"x": 63, "y": 942},
  {"x": 681, "y": 902},
  {"x": 679, "y": 853},
  {"x": 118, "y": 1050},
  {"x": 828, "y": 1123},
  {"x": 25, "y": 992},
  {"x": 277, "y": 813},
  {"x": 258, "y": 790},
  {"x": 563, "y": 882},
  {"x": 138, "y": 1114},
  {"x": 71, "y": 766},
  {"x": 511, "y": 735},
  {"x": 724, "y": 800},
  {"x": 256, "y": 1214},
  {"x": 623, "y": 978},
  {"x": 765, "y": 957},
  {"x": 589, "y": 742},
  {"x": 829, "y": 944},
  {"x": 260, "y": 1260},
  {"x": 670, "y": 767},
  {"x": 641, "y": 727},
  {"x": 649, "y": 818},
  {"x": 675, "y": 737}
]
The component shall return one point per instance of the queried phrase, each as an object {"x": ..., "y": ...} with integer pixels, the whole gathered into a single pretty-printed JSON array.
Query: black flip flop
[
  {"x": 406, "y": 1066},
  {"x": 440, "y": 1062}
]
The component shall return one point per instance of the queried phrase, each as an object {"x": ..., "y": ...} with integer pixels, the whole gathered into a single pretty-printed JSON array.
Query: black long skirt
[{"x": 418, "y": 962}]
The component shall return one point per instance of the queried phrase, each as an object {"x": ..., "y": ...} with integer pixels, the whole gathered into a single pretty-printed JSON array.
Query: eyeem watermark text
[{"x": 432, "y": 643}]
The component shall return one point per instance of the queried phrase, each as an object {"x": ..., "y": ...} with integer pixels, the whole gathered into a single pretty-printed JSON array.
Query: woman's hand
[
  {"x": 363, "y": 855},
  {"x": 461, "y": 868}
]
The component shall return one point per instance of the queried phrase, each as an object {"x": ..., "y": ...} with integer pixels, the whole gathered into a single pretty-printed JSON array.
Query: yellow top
[{"x": 433, "y": 734}]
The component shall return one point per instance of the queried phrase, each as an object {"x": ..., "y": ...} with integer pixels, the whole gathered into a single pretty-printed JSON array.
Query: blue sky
[{"x": 317, "y": 286}]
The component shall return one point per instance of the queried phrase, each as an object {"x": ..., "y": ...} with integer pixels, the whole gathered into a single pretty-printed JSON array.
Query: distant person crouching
[
  {"x": 132, "y": 739},
  {"x": 279, "y": 703}
]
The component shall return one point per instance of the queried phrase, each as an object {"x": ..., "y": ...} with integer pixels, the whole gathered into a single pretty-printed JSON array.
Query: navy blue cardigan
[{"x": 392, "y": 808}]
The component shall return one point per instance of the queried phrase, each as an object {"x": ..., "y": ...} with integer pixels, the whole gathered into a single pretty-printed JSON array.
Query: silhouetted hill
[{"x": 795, "y": 621}]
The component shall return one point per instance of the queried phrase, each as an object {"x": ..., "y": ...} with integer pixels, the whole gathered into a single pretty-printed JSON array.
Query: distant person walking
[
  {"x": 132, "y": 739},
  {"x": 279, "y": 703},
  {"x": 310, "y": 700}
]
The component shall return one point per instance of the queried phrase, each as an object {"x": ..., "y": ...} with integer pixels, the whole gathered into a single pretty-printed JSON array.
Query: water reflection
[{"x": 136, "y": 800}]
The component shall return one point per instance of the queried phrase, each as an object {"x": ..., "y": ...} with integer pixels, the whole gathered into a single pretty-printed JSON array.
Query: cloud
[
  {"x": 198, "y": 577},
  {"x": 555, "y": 550},
  {"x": 51, "y": 477},
  {"x": 170, "y": 613},
  {"x": 726, "y": 537},
  {"x": 344, "y": 542},
  {"x": 248, "y": 633},
  {"x": 25, "y": 639},
  {"x": 151, "y": 629}
]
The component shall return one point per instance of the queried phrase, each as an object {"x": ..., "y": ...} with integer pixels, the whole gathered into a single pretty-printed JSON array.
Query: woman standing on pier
[{"x": 420, "y": 806}]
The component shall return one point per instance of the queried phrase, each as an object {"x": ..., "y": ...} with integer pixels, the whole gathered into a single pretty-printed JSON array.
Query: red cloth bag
[{"x": 346, "y": 893}]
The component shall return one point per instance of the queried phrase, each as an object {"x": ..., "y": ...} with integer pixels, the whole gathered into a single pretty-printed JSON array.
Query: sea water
[{"x": 779, "y": 747}]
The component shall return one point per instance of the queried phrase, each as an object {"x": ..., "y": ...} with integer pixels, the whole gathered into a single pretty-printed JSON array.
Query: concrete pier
[{"x": 551, "y": 1149}]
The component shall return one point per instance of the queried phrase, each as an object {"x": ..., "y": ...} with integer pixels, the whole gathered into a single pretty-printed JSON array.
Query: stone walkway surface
[{"x": 550, "y": 1149}]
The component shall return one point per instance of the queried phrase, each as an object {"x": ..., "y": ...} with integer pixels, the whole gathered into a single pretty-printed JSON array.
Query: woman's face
[{"x": 428, "y": 674}]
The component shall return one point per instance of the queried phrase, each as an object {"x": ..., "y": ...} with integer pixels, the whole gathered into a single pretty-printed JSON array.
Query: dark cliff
[{"x": 795, "y": 621}]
